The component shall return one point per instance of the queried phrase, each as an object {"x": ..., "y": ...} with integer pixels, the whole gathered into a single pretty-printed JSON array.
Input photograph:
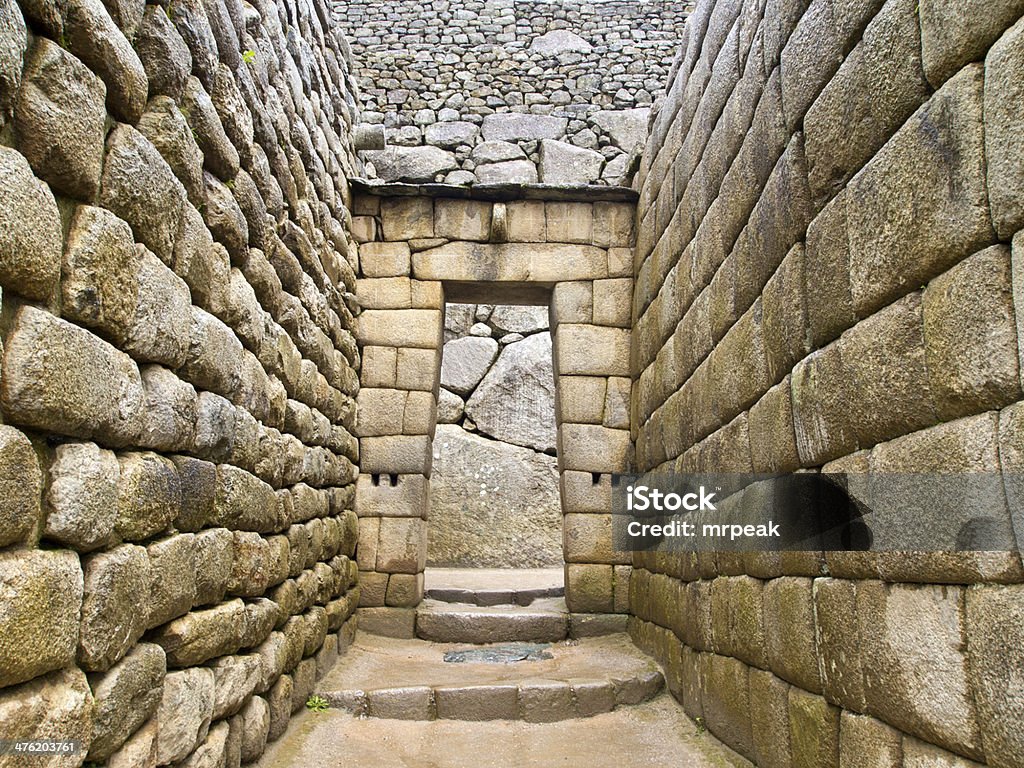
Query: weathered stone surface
[
  {"x": 171, "y": 412},
  {"x": 559, "y": 41},
  {"x": 59, "y": 703},
  {"x": 94, "y": 38},
  {"x": 921, "y": 205},
  {"x": 510, "y": 126},
  {"x": 215, "y": 550},
  {"x": 496, "y": 152},
  {"x": 565, "y": 164},
  {"x": 952, "y": 36},
  {"x": 256, "y": 717},
  {"x": 184, "y": 713},
  {"x": 82, "y": 387},
  {"x": 994, "y": 625},
  {"x": 515, "y": 401},
  {"x": 627, "y": 128},
  {"x": 139, "y": 186},
  {"x": 20, "y": 484},
  {"x": 465, "y": 361},
  {"x": 452, "y": 134},
  {"x": 411, "y": 163},
  {"x": 225, "y": 219},
  {"x": 164, "y": 55},
  {"x": 1004, "y": 85},
  {"x": 509, "y": 516},
  {"x": 813, "y": 729},
  {"x": 219, "y": 154},
  {"x": 81, "y": 496},
  {"x": 59, "y": 120},
  {"x": 39, "y": 606},
  {"x": 116, "y": 582},
  {"x": 587, "y": 350},
  {"x": 508, "y": 172},
  {"x": 509, "y": 319},
  {"x": 450, "y": 407},
  {"x": 235, "y": 678},
  {"x": 125, "y": 697},
  {"x": 173, "y": 569},
  {"x": 149, "y": 495},
  {"x": 201, "y": 635},
  {"x": 862, "y": 739},
  {"x": 30, "y": 230},
  {"x": 13, "y": 43},
  {"x": 166, "y": 127},
  {"x": 789, "y": 631},
  {"x": 915, "y": 668},
  {"x": 159, "y": 331}
]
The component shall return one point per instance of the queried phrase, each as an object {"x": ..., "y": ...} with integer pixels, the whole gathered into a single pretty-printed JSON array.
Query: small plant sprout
[
  {"x": 249, "y": 56},
  {"x": 701, "y": 728},
  {"x": 317, "y": 704}
]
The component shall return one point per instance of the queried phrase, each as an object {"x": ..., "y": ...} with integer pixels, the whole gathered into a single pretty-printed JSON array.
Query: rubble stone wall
[
  {"x": 417, "y": 252},
  {"x": 178, "y": 377},
  {"x": 829, "y": 276},
  {"x": 452, "y": 81}
]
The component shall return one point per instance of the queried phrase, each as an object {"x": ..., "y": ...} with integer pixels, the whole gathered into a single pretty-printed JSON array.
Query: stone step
[
  {"x": 411, "y": 680},
  {"x": 493, "y": 586},
  {"x": 544, "y": 620}
]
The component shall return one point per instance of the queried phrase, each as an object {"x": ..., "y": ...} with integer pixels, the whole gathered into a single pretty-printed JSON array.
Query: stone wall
[
  {"x": 829, "y": 277},
  {"x": 494, "y": 495},
  {"x": 454, "y": 83},
  {"x": 416, "y": 253},
  {"x": 178, "y": 376}
]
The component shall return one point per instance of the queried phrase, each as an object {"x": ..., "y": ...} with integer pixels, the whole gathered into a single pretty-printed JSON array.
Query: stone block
[
  {"x": 171, "y": 410},
  {"x": 407, "y": 218},
  {"x": 588, "y": 588},
  {"x": 418, "y": 369},
  {"x": 20, "y": 487},
  {"x": 184, "y": 713},
  {"x": 510, "y": 262},
  {"x": 583, "y": 492},
  {"x": 620, "y": 262},
  {"x": 215, "y": 550},
  {"x": 202, "y": 635},
  {"x": 769, "y": 711},
  {"x": 378, "y": 366},
  {"x": 405, "y": 590},
  {"x": 402, "y": 546},
  {"x": 39, "y": 609},
  {"x": 827, "y": 274},
  {"x": 399, "y": 454},
  {"x": 412, "y": 164},
  {"x": 168, "y": 130},
  {"x": 770, "y": 428},
  {"x": 613, "y": 302},
  {"x": 525, "y": 221},
  {"x": 159, "y": 332},
  {"x": 384, "y": 259},
  {"x": 139, "y": 187},
  {"x": 31, "y": 239},
  {"x": 813, "y": 729},
  {"x": 164, "y": 55},
  {"x": 1004, "y": 85},
  {"x": 918, "y": 754},
  {"x": 219, "y": 154},
  {"x": 149, "y": 495},
  {"x": 921, "y": 204},
  {"x": 125, "y": 697},
  {"x": 613, "y": 225},
  {"x": 389, "y": 622},
  {"x": 784, "y": 316},
  {"x": 911, "y": 632},
  {"x": 726, "y": 702},
  {"x": 462, "y": 219},
  {"x": 408, "y": 496},
  {"x": 280, "y": 701},
  {"x": 81, "y": 496},
  {"x": 588, "y": 539},
  {"x": 790, "y": 631},
  {"x": 572, "y": 302},
  {"x": 477, "y": 702},
  {"x": 59, "y": 120},
  {"x": 588, "y": 350},
  {"x": 81, "y": 387},
  {"x": 545, "y": 701},
  {"x": 592, "y": 448},
  {"x": 617, "y": 403},
  {"x": 59, "y": 703},
  {"x": 569, "y": 222},
  {"x": 866, "y": 741},
  {"x": 173, "y": 569},
  {"x": 994, "y": 642},
  {"x": 954, "y": 36},
  {"x": 839, "y": 642},
  {"x": 409, "y": 703},
  {"x": 822, "y": 393},
  {"x": 971, "y": 336},
  {"x": 116, "y": 583},
  {"x": 581, "y": 399},
  {"x": 416, "y": 328}
]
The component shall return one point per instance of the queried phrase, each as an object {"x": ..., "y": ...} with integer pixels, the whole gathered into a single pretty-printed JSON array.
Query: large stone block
[
  {"x": 40, "y": 600},
  {"x": 173, "y": 569},
  {"x": 164, "y": 55},
  {"x": 822, "y": 393},
  {"x": 116, "y": 584},
  {"x": 402, "y": 545},
  {"x": 827, "y": 274},
  {"x": 159, "y": 332},
  {"x": 509, "y": 126},
  {"x": 568, "y": 165},
  {"x": 149, "y": 495},
  {"x": 994, "y": 646},
  {"x": 770, "y": 429},
  {"x": 769, "y": 709},
  {"x": 403, "y": 455},
  {"x": 916, "y": 672},
  {"x": 59, "y": 120},
  {"x": 921, "y": 204},
  {"x": 589, "y": 588},
  {"x": 588, "y": 350},
  {"x": 184, "y": 713},
  {"x": 726, "y": 702},
  {"x": 20, "y": 486},
  {"x": 511, "y": 262},
  {"x": 1004, "y": 86},
  {"x": 139, "y": 186},
  {"x": 202, "y": 635},
  {"x": 813, "y": 730},
  {"x": 582, "y": 492},
  {"x": 955, "y": 35},
  {"x": 384, "y": 259},
  {"x": 790, "y": 631},
  {"x": 593, "y": 448},
  {"x": 30, "y": 230},
  {"x": 81, "y": 496},
  {"x": 215, "y": 550},
  {"x": 839, "y": 643},
  {"x": 462, "y": 220},
  {"x": 866, "y": 741},
  {"x": 413, "y": 164},
  {"x": 243, "y": 501},
  {"x": 416, "y": 328},
  {"x": 407, "y": 218},
  {"x": 125, "y": 697},
  {"x": 408, "y": 496},
  {"x": 971, "y": 336},
  {"x": 58, "y": 705}
]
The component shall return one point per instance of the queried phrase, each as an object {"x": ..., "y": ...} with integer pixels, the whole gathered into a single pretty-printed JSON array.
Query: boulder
[
  {"x": 415, "y": 164},
  {"x": 496, "y": 152},
  {"x": 451, "y": 135},
  {"x": 516, "y": 126},
  {"x": 81, "y": 498},
  {"x": 509, "y": 172},
  {"x": 515, "y": 402},
  {"x": 56, "y": 706},
  {"x": 465, "y": 361},
  {"x": 450, "y": 407},
  {"x": 564, "y": 164},
  {"x": 184, "y": 713},
  {"x": 492, "y": 504},
  {"x": 627, "y": 128},
  {"x": 559, "y": 41},
  {"x": 125, "y": 697},
  {"x": 510, "y": 319},
  {"x": 457, "y": 320}
]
